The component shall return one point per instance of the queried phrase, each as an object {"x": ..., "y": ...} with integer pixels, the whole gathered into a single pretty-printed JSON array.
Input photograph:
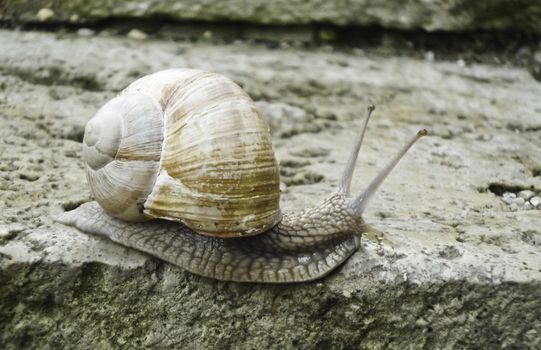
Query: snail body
[{"x": 189, "y": 149}]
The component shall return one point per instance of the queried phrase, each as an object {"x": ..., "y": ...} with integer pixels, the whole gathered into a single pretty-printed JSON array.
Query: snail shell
[{"x": 184, "y": 145}]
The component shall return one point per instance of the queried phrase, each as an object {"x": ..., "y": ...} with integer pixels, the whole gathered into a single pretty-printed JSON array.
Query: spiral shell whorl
[
  {"x": 121, "y": 149},
  {"x": 102, "y": 139}
]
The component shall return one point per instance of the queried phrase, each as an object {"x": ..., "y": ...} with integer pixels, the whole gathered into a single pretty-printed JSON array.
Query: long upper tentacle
[
  {"x": 347, "y": 175},
  {"x": 359, "y": 203}
]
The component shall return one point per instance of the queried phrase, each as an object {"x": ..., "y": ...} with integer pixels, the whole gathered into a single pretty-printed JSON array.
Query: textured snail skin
[{"x": 303, "y": 246}]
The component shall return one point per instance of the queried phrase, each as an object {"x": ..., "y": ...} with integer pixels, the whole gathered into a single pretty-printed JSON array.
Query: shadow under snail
[{"x": 189, "y": 149}]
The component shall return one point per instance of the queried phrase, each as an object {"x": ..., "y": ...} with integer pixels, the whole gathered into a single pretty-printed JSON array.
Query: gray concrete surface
[{"x": 454, "y": 266}]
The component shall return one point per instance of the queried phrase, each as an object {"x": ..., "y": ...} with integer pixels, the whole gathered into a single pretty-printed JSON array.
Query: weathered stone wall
[
  {"x": 458, "y": 267},
  {"x": 448, "y": 15}
]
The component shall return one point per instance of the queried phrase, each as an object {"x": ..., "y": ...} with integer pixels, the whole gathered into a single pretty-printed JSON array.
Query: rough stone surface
[
  {"x": 453, "y": 15},
  {"x": 454, "y": 267}
]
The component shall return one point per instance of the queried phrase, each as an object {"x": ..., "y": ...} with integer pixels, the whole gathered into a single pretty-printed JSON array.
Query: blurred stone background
[
  {"x": 458, "y": 264},
  {"x": 431, "y": 15}
]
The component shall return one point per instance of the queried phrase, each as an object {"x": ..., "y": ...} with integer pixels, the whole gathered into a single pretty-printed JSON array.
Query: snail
[{"x": 181, "y": 166}]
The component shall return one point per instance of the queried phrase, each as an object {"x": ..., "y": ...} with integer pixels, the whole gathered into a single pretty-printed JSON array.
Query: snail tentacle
[
  {"x": 347, "y": 175},
  {"x": 360, "y": 202}
]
